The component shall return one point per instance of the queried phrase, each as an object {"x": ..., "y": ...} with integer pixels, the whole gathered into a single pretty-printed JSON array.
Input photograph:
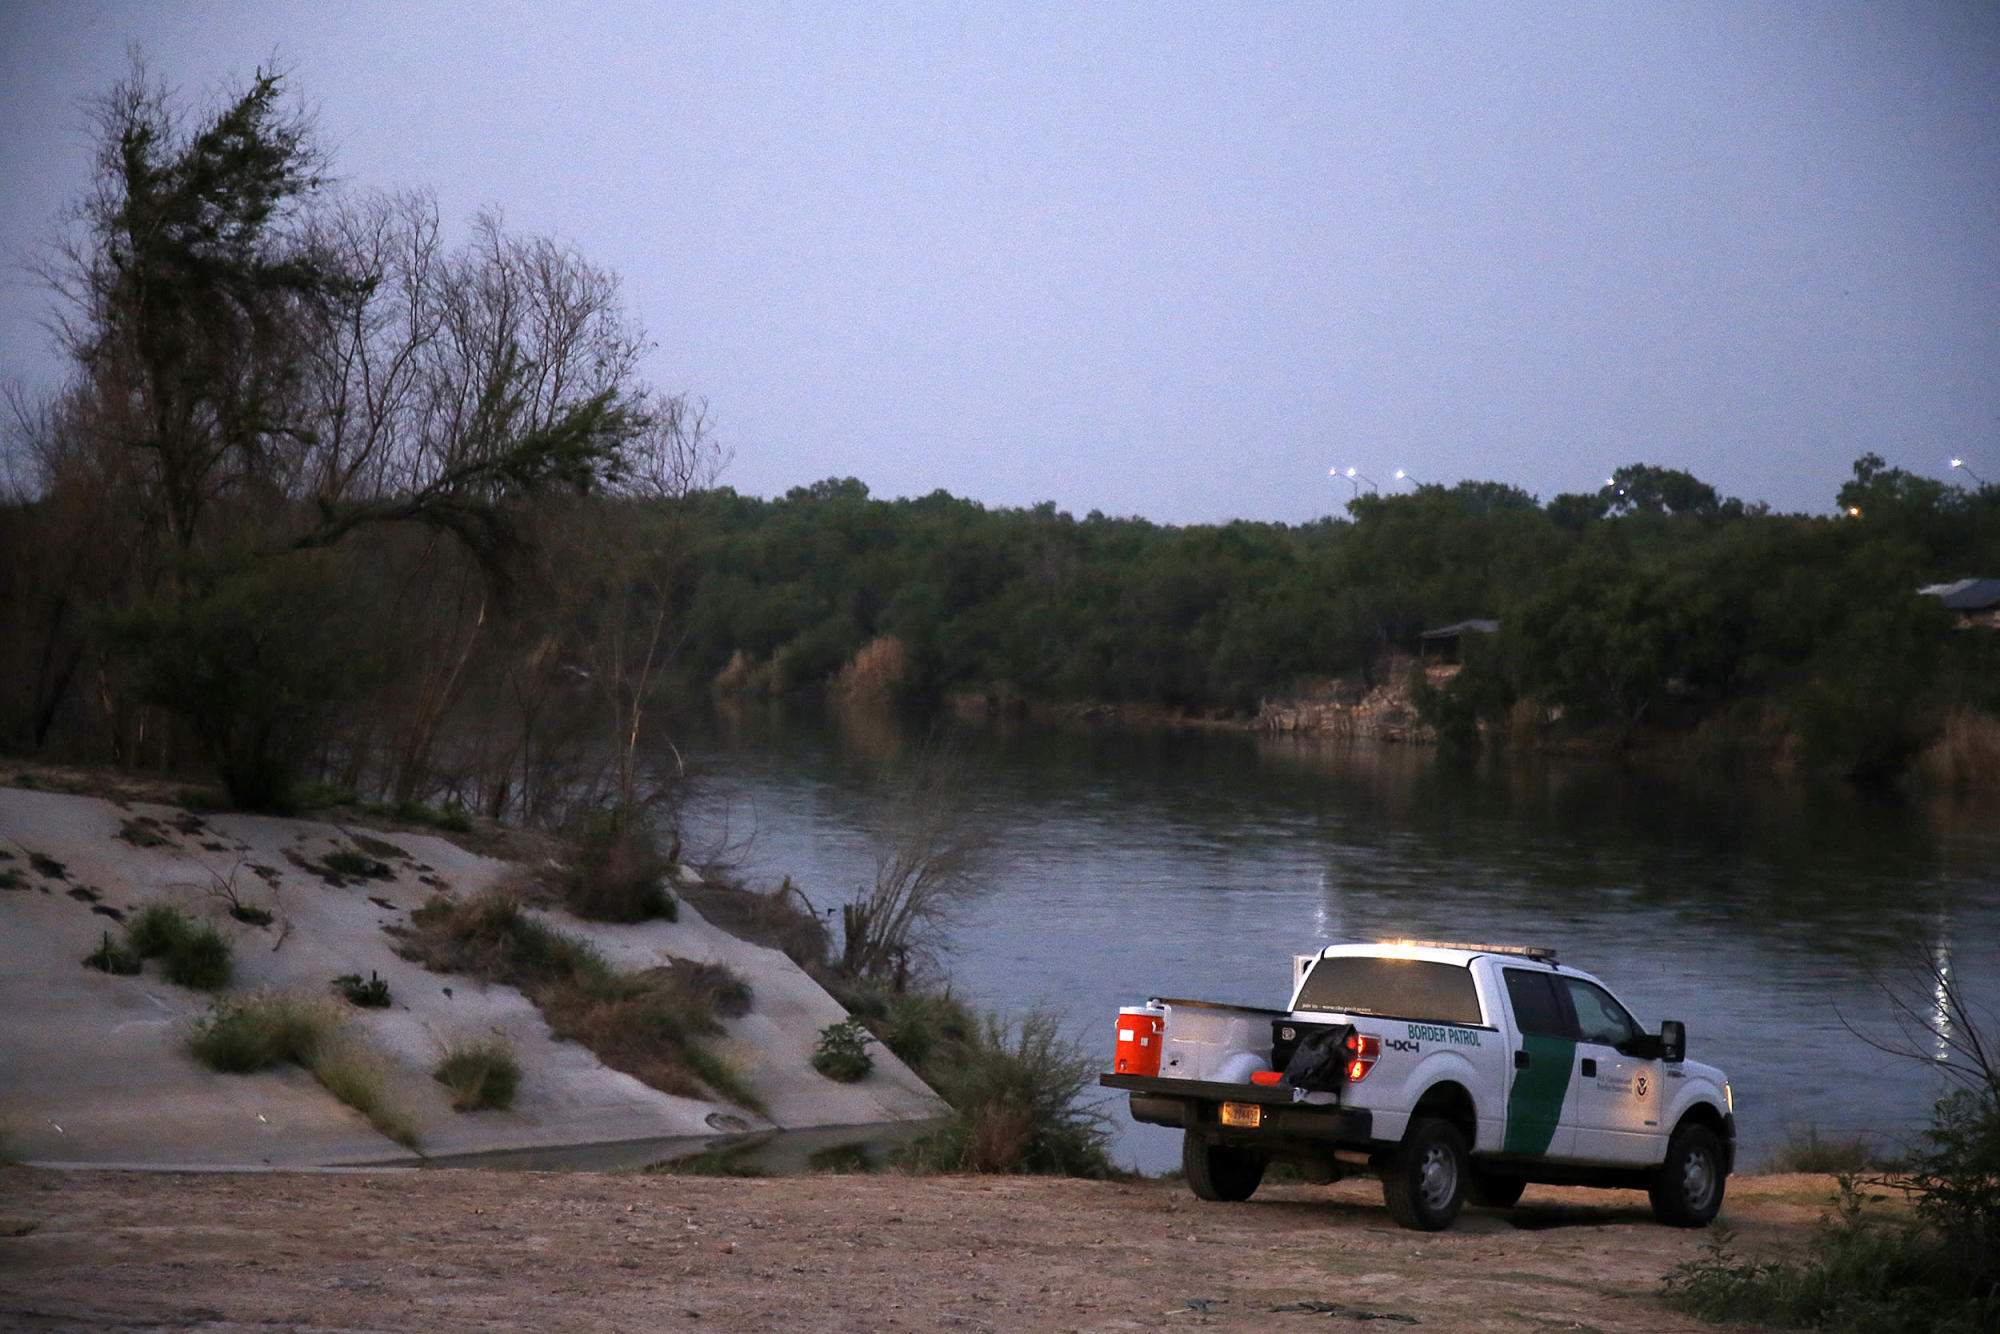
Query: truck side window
[
  {"x": 1536, "y": 1009},
  {"x": 1599, "y": 1018}
]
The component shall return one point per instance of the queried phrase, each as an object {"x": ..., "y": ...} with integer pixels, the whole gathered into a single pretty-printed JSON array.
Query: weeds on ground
[
  {"x": 1862, "y": 1273},
  {"x": 372, "y": 994},
  {"x": 649, "y": 1024},
  {"x": 449, "y": 817},
  {"x": 157, "y": 928},
  {"x": 244, "y": 1034},
  {"x": 1017, "y": 1092},
  {"x": 192, "y": 954},
  {"x": 842, "y": 1053},
  {"x": 618, "y": 875},
  {"x": 781, "y": 920},
  {"x": 202, "y": 961},
  {"x": 113, "y": 956},
  {"x": 1807, "y": 1152},
  {"x": 318, "y": 796},
  {"x": 480, "y": 1074},
  {"x": 239, "y": 1035},
  {"x": 1017, "y": 1104}
]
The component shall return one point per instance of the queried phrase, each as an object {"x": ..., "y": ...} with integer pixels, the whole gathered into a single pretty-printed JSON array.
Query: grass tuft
[
  {"x": 244, "y": 1034},
  {"x": 193, "y": 954},
  {"x": 202, "y": 961},
  {"x": 113, "y": 956},
  {"x": 157, "y": 928},
  {"x": 648, "y": 1024},
  {"x": 480, "y": 1074},
  {"x": 1807, "y": 1152}
]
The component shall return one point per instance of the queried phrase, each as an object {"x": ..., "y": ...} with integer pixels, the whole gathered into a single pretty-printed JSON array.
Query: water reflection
[{"x": 1755, "y": 909}]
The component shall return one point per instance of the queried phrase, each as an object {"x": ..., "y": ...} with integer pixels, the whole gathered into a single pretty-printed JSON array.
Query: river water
[{"x": 1763, "y": 912}]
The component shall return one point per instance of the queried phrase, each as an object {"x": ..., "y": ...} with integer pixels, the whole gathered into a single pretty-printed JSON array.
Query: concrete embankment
[{"x": 94, "y": 1068}]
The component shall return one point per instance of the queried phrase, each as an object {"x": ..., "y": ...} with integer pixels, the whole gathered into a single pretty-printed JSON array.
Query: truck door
[
  {"x": 1614, "y": 1101},
  {"x": 1543, "y": 1058}
]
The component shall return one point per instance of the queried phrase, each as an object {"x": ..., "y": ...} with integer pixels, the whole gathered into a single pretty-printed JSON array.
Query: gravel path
[{"x": 460, "y": 1250}]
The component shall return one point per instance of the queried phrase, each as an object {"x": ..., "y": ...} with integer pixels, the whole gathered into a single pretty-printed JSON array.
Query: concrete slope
[{"x": 93, "y": 1067}]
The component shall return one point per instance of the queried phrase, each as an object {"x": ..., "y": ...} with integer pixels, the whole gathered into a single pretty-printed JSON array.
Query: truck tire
[
  {"x": 1687, "y": 1189},
  {"x": 1495, "y": 1190},
  {"x": 1218, "y": 1172},
  {"x": 1424, "y": 1185}
]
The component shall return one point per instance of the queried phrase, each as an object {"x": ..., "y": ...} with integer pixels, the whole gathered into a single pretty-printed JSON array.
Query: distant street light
[
  {"x": 1402, "y": 476},
  {"x": 1960, "y": 463},
  {"x": 1353, "y": 475}
]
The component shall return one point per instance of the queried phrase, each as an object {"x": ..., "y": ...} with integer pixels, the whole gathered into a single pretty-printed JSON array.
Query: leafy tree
[{"x": 1644, "y": 488}]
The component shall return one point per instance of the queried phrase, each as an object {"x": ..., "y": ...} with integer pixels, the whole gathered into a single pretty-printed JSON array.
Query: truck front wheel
[
  {"x": 1687, "y": 1190},
  {"x": 1218, "y": 1172},
  {"x": 1424, "y": 1184}
]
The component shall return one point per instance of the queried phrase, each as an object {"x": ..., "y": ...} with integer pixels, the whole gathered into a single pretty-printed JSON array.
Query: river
[{"x": 1763, "y": 912}]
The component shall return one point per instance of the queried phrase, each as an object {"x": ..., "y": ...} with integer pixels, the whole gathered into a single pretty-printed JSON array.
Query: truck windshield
[{"x": 1398, "y": 988}]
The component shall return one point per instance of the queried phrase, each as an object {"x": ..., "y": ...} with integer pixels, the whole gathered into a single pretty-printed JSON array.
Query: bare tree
[{"x": 931, "y": 855}]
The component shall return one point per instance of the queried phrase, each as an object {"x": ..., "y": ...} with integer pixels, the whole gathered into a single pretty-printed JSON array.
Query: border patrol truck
[{"x": 1455, "y": 1072}]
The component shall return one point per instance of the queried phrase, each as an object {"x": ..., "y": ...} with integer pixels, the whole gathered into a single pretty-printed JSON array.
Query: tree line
[
  {"x": 330, "y": 497},
  {"x": 1651, "y": 607}
]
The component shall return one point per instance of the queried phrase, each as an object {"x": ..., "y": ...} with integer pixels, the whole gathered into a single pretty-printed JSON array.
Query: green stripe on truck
[{"x": 1534, "y": 1105}]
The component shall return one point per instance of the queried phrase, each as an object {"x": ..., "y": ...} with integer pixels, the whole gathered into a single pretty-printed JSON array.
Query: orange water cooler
[{"x": 1140, "y": 1029}]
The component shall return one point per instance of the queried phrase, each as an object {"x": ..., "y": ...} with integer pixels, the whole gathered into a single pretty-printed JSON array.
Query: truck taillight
[{"x": 1362, "y": 1049}]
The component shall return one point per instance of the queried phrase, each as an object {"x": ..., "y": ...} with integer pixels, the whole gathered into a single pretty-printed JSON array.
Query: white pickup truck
[{"x": 1453, "y": 1071}]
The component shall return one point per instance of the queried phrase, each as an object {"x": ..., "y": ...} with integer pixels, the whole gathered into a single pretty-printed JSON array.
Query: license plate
[{"x": 1245, "y": 1114}]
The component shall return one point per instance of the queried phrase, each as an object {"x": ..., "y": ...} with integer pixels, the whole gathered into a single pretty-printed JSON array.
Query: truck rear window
[{"x": 1441, "y": 993}]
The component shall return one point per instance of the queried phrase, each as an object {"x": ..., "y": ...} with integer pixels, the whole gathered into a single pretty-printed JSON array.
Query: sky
[{"x": 1189, "y": 262}]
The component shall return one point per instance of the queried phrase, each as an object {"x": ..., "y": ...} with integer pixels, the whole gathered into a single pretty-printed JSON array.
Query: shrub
[
  {"x": 370, "y": 995},
  {"x": 1016, "y": 1094},
  {"x": 618, "y": 875},
  {"x": 842, "y": 1053},
  {"x": 480, "y": 1074},
  {"x": 202, "y": 960},
  {"x": 239, "y": 1035},
  {"x": 1934, "y": 1272},
  {"x": 157, "y": 928},
  {"x": 111, "y": 956},
  {"x": 490, "y": 937}
]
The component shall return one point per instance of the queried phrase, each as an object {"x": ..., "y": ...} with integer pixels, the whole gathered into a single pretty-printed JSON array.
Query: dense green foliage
[
  {"x": 1652, "y": 606},
  {"x": 1932, "y": 1272}
]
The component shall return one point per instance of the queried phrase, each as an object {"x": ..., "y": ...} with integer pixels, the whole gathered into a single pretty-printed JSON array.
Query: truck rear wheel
[
  {"x": 1424, "y": 1185},
  {"x": 1218, "y": 1172},
  {"x": 1687, "y": 1190}
]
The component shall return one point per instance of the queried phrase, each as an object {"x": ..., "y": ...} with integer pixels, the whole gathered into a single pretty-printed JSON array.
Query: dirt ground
[{"x": 487, "y": 1250}]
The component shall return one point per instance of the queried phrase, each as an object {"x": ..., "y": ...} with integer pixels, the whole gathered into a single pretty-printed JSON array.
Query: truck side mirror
[{"x": 1673, "y": 1040}]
